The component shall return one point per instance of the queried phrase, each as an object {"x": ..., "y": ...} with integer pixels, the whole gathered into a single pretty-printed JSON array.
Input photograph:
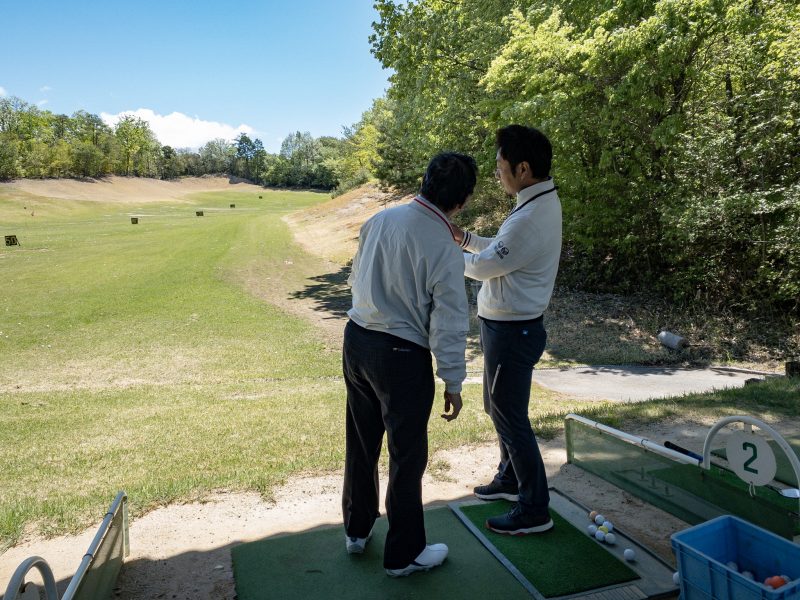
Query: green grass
[
  {"x": 134, "y": 357},
  {"x": 128, "y": 360},
  {"x": 101, "y": 300},
  {"x": 772, "y": 400}
]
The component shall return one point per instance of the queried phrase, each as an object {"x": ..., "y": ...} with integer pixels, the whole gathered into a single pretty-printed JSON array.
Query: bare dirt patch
[
  {"x": 330, "y": 230},
  {"x": 125, "y": 190}
]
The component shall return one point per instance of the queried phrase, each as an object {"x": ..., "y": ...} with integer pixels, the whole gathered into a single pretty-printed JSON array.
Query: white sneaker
[
  {"x": 356, "y": 545},
  {"x": 432, "y": 556}
]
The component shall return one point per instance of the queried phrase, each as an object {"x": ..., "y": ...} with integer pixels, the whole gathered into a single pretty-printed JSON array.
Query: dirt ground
[
  {"x": 126, "y": 190},
  {"x": 183, "y": 551}
]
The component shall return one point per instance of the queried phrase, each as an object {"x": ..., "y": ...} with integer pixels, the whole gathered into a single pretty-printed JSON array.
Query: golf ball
[
  {"x": 629, "y": 554},
  {"x": 676, "y": 578},
  {"x": 592, "y": 515},
  {"x": 732, "y": 566},
  {"x": 608, "y": 525},
  {"x": 603, "y": 528},
  {"x": 747, "y": 575},
  {"x": 599, "y": 519},
  {"x": 592, "y": 530},
  {"x": 611, "y": 538},
  {"x": 599, "y": 535}
]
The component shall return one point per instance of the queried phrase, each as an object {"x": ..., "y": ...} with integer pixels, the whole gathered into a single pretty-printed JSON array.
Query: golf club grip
[{"x": 682, "y": 450}]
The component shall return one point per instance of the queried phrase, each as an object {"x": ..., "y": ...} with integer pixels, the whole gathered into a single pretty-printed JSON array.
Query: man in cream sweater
[
  {"x": 409, "y": 301},
  {"x": 518, "y": 269}
]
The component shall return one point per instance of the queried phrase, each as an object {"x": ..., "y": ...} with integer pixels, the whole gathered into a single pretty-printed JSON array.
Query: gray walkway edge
[{"x": 627, "y": 383}]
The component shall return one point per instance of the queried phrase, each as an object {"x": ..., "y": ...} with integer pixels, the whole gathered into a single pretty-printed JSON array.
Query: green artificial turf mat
[
  {"x": 561, "y": 561},
  {"x": 314, "y": 565}
]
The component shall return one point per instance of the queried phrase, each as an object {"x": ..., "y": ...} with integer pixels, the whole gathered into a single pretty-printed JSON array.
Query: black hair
[
  {"x": 518, "y": 144},
  {"x": 449, "y": 179}
]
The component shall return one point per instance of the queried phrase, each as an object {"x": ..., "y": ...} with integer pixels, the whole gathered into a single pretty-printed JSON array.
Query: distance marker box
[{"x": 704, "y": 551}]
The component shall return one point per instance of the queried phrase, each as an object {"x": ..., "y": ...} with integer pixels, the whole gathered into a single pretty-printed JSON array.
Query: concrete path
[{"x": 631, "y": 384}]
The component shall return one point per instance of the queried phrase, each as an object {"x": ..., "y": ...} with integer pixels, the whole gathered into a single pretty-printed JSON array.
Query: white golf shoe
[
  {"x": 356, "y": 545},
  {"x": 432, "y": 556}
]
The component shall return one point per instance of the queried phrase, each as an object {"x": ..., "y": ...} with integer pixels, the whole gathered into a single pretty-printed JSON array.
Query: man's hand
[{"x": 452, "y": 402}]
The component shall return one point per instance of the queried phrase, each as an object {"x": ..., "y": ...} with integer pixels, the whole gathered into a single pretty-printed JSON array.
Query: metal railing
[{"x": 106, "y": 553}]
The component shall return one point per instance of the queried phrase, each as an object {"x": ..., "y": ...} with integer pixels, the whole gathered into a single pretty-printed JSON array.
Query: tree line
[
  {"x": 675, "y": 126},
  {"x": 37, "y": 143}
]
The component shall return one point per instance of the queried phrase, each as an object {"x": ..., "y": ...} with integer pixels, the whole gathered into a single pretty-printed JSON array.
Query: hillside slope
[
  {"x": 583, "y": 328},
  {"x": 330, "y": 230},
  {"x": 125, "y": 190}
]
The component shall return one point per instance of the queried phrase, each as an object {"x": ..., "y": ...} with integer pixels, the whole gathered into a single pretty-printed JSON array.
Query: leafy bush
[{"x": 675, "y": 126}]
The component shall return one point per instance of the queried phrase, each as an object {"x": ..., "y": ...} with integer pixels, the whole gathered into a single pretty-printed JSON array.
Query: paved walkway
[{"x": 631, "y": 384}]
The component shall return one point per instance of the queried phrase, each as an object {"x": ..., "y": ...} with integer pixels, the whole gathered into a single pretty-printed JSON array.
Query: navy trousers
[
  {"x": 390, "y": 388},
  {"x": 510, "y": 351}
]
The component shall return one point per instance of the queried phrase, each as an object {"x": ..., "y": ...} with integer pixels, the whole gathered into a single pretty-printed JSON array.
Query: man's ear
[{"x": 522, "y": 168}]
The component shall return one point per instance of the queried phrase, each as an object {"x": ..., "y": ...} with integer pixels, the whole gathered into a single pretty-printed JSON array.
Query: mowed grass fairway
[{"x": 131, "y": 357}]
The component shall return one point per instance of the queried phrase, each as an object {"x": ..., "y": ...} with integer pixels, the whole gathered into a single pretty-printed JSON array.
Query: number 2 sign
[{"x": 750, "y": 457}]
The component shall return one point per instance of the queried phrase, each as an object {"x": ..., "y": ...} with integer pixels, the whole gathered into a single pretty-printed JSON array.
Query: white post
[{"x": 747, "y": 420}]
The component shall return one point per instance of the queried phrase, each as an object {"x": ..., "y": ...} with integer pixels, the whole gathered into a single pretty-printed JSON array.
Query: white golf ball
[
  {"x": 599, "y": 519},
  {"x": 732, "y": 566},
  {"x": 599, "y": 535},
  {"x": 629, "y": 554},
  {"x": 592, "y": 530},
  {"x": 611, "y": 538},
  {"x": 747, "y": 575},
  {"x": 608, "y": 525},
  {"x": 676, "y": 578}
]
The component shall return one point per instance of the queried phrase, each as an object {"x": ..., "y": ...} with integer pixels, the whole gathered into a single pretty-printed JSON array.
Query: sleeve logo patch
[{"x": 501, "y": 250}]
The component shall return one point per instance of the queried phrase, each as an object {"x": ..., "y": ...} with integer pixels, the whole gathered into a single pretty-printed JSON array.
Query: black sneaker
[
  {"x": 497, "y": 491},
  {"x": 515, "y": 522}
]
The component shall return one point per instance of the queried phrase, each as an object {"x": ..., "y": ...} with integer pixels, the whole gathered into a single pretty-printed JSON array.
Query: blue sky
[{"x": 196, "y": 69}]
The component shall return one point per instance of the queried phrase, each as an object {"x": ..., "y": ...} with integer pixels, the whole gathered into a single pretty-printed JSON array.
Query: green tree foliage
[
  {"x": 216, "y": 156},
  {"x": 245, "y": 153},
  {"x": 9, "y": 157},
  {"x": 169, "y": 165},
  {"x": 675, "y": 125},
  {"x": 301, "y": 156},
  {"x": 36, "y": 143},
  {"x": 139, "y": 149}
]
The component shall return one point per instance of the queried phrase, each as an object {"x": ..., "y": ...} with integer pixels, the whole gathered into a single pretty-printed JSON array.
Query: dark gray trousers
[
  {"x": 510, "y": 351},
  {"x": 390, "y": 388}
]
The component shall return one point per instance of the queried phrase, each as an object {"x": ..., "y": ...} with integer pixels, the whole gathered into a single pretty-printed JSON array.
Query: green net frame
[{"x": 688, "y": 491}]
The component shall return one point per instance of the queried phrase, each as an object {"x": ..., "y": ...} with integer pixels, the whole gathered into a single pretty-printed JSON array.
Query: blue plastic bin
[{"x": 703, "y": 551}]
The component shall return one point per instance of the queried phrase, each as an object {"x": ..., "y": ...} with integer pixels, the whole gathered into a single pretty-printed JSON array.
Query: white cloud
[
  {"x": 41, "y": 102},
  {"x": 2, "y": 91},
  {"x": 45, "y": 88},
  {"x": 179, "y": 130}
]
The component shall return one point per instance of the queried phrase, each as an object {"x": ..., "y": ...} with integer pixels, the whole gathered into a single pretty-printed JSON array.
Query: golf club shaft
[{"x": 682, "y": 450}]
